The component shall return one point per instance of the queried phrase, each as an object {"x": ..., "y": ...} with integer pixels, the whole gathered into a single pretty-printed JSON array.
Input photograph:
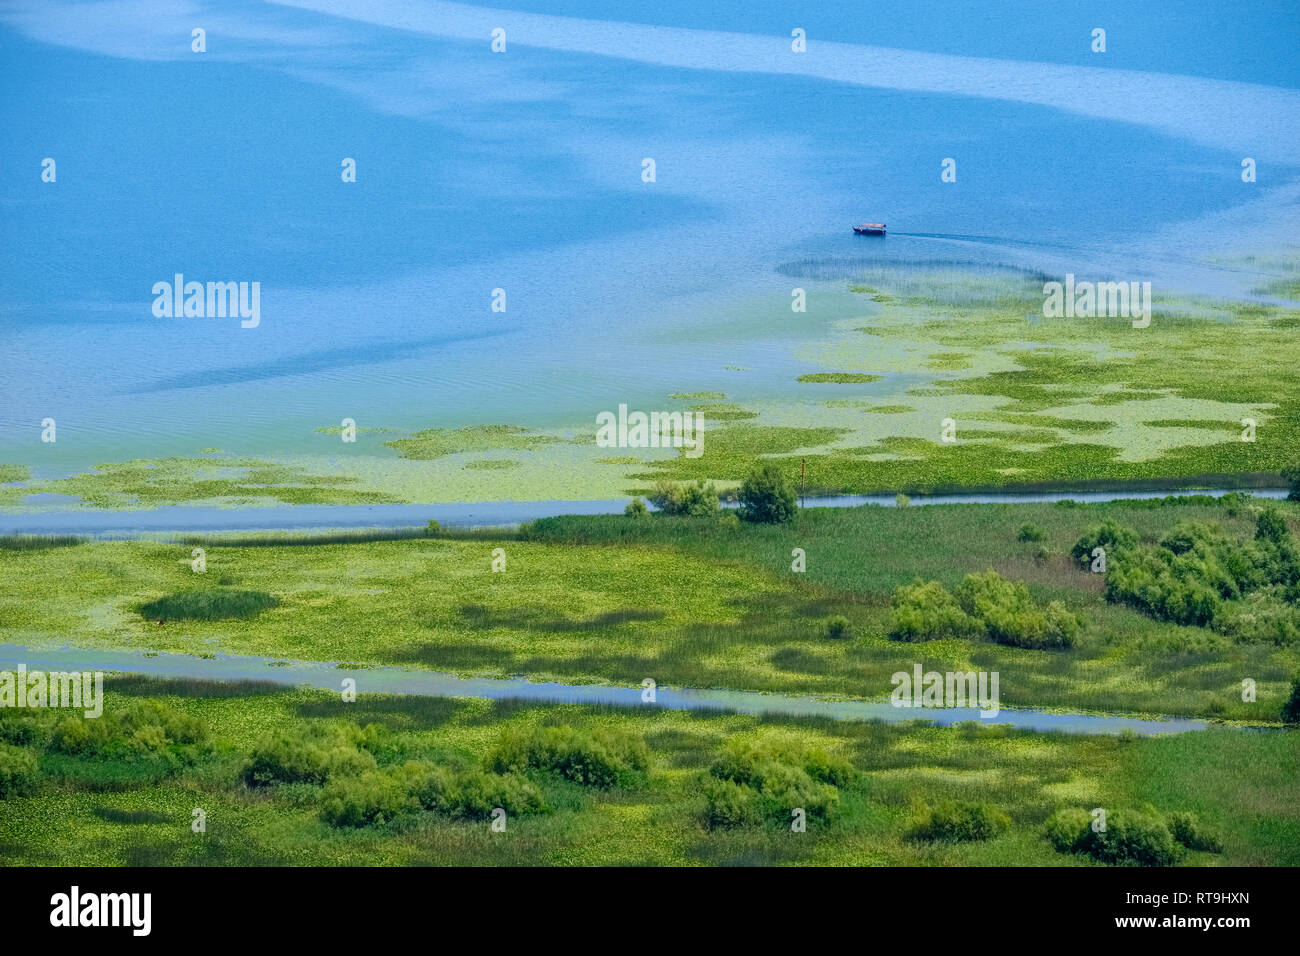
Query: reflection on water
[{"x": 397, "y": 680}]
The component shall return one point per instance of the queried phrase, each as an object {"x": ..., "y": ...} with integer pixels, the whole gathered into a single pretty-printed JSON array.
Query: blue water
[
  {"x": 522, "y": 171},
  {"x": 418, "y": 681}
]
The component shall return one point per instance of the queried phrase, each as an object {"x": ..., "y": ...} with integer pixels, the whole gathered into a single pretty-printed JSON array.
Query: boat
[{"x": 870, "y": 229}]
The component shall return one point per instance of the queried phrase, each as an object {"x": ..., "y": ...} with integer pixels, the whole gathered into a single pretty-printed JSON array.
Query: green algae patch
[
  {"x": 434, "y": 443},
  {"x": 840, "y": 378},
  {"x": 10, "y": 473},
  {"x": 153, "y": 483},
  {"x": 491, "y": 464}
]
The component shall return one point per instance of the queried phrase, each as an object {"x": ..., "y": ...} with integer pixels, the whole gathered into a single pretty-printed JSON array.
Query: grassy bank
[
  {"x": 136, "y": 808},
  {"x": 684, "y": 602}
]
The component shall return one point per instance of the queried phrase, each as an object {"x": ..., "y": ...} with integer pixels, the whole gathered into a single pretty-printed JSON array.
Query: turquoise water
[{"x": 522, "y": 171}]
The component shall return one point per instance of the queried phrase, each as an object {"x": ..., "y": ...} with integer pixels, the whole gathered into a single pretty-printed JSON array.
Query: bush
[
  {"x": 1186, "y": 829},
  {"x": 766, "y": 497},
  {"x": 636, "y": 509},
  {"x": 1030, "y": 532},
  {"x": 925, "y": 611},
  {"x": 1271, "y": 526},
  {"x": 1196, "y": 571},
  {"x": 838, "y": 627},
  {"x": 141, "y": 729},
  {"x": 728, "y": 804},
  {"x": 1291, "y": 475},
  {"x": 600, "y": 758},
  {"x": 1131, "y": 838},
  {"x": 1291, "y": 709},
  {"x": 18, "y": 771},
  {"x": 1262, "y": 617},
  {"x": 1010, "y": 615},
  {"x": 959, "y": 822},
  {"x": 215, "y": 605},
  {"x": 901, "y": 500},
  {"x": 1110, "y": 535},
  {"x": 769, "y": 781},
  {"x": 698, "y": 500},
  {"x": 312, "y": 756},
  {"x": 372, "y": 797},
  {"x": 432, "y": 528}
]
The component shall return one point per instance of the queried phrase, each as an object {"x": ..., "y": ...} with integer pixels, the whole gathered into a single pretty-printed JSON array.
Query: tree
[
  {"x": 1291, "y": 709},
  {"x": 1291, "y": 475},
  {"x": 766, "y": 497}
]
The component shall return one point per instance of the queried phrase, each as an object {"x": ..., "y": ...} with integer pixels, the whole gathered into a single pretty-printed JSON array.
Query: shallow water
[
  {"x": 522, "y": 171},
  {"x": 397, "y": 680},
  {"x": 183, "y": 518}
]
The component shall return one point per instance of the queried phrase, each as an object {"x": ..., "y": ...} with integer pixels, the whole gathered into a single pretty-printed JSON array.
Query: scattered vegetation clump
[
  {"x": 838, "y": 627},
  {"x": 1109, "y": 535},
  {"x": 1187, "y": 830},
  {"x": 1010, "y": 615},
  {"x": 601, "y": 758},
  {"x": 1030, "y": 532},
  {"x": 1291, "y": 709},
  {"x": 958, "y": 821},
  {"x": 755, "y": 782},
  {"x": 213, "y": 605},
  {"x": 18, "y": 771},
  {"x": 926, "y": 611},
  {"x": 141, "y": 730},
  {"x": 313, "y": 755},
  {"x": 984, "y": 605},
  {"x": 1198, "y": 575},
  {"x": 636, "y": 509},
  {"x": 697, "y": 500},
  {"x": 766, "y": 497},
  {"x": 378, "y": 796},
  {"x": 1130, "y": 837}
]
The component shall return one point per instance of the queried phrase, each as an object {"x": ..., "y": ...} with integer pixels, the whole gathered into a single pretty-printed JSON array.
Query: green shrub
[
  {"x": 433, "y": 528},
  {"x": 1291, "y": 709},
  {"x": 214, "y": 605},
  {"x": 1008, "y": 612},
  {"x": 18, "y": 771},
  {"x": 371, "y": 797},
  {"x": 769, "y": 781},
  {"x": 636, "y": 509},
  {"x": 925, "y": 611},
  {"x": 1109, "y": 534},
  {"x": 1291, "y": 475},
  {"x": 766, "y": 497},
  {"x": 1131, "y": 838},
  {"x": 729, "y": 804},
  {"x": 1030, "y": 532},
  {"x": 1186, "y": 829},
  {"x": 1271, "y": 526},
  {"x": 314, "y": 755},
  {"x": 838, "y": 627},
  {"x": 142, "y": 729},
  {"x": 1261, "y": 617},
  {"x": 698, "y": 500},
  {"x": 901, "y": 500},
  {"x": 601, "y": 758},
  {"x": 959, "y": 822}
]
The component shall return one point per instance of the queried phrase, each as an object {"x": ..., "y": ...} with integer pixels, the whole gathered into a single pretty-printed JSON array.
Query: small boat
[{"x": 870, "y": 229}]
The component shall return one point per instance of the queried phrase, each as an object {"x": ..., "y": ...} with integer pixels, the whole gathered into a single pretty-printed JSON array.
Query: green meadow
[
  {"x": 686, "y": 602},
  {"x": 136, "y": 805}
]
